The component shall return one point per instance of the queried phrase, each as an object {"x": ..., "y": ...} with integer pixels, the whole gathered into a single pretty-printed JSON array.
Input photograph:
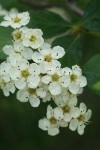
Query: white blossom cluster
[{"x": 33, "y": 69}]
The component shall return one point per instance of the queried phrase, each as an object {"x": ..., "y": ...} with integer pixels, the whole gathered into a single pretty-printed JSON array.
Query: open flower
[
  {"x": 51, "y": 123},
  {"x": 33, "y": 38},
  {"x": 77, "y": 80},
  {"x": 16, "y": 20},
  {"x": 33, "y": 95},
  {"x": 82, "y": 119}
]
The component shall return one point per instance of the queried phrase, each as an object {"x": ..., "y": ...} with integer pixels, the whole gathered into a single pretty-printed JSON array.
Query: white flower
[
  {"x": 77, "y": 80},
  {"x": 18, "y": 48},
  {"x": 56, "y": 81},
  {"x": 33, "y": 38},
  {"x": 4, "y": 71},
  {"x": 47, "y": 56},
  {"x": 82, "y": 120},
  {"x": 7, "y": 87},
  {"x": 51, "y": 123},
  {"x": 33, "y": 95},
  {"x": 16, "y": 20},
  {"x": 24, "y": 74},
  {"x": 18, "y": 34}
]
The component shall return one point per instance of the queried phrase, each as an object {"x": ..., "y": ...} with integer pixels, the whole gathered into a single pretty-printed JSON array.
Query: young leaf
[
  {"x": 92, "y": 70},
  {"x": 73, "y": 47},
  {"x": 51, "y": 24}
]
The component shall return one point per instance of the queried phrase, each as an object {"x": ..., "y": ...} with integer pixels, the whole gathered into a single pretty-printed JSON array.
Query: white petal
[
  {"x": 20, "y": 84},
  {"x": 66, "y": 71},
  {"x": 14, "y": 74},
  {"x": 37, "y": 57},
  {"x": 73, "y": 124},
  {"x": 83, "y": 108},
  {"x": 22, "y": 95},
  {"x": 58, "y": 113},
  {"x": 63, "y": 123},
  {"x": 53, "y": 131},
  {"x": 73, "y": 101},
  {"x": 46, "y": 79},
  {"x": 41, "y": 92},
  {"x": 34, "y": 101},
  {"x": 55, "y": 88},
  {"x": 67, "y": 117},
  {"x": 75, "y": 112},
  {"x": 88, "y": 114},
  {"x": 34, "y": 69},
  {"x": 73, "y": 88},
  {"x": 65, "y": 81},
  {"x": 57, "y": 52},
  {"x": 33, "y": 81},
  {"x": 76, "y": 70},
  {"x": 82, "y": 81},
  {"x": 81, "y": 128},
  {"x": 49, "y": 112},
  {"x": 44, "y": 124}
]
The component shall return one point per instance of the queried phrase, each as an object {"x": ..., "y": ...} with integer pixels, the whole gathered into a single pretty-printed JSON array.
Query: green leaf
[
  {"x": 92, "y": 70},
  {"x": 51, "y": 24},
  {"x": 7, "y": 3},
  {"x": 73, "y": 48},
  {"x": 91, "y": 19},
  {"x": 5, "y": 38},
  {"x": 96, "y": 88}
]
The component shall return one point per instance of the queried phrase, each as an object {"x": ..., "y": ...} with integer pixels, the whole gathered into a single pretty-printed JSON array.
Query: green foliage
[
  {"x": 51, "y": 24},
  {"x": 92, "y": 70},
  {"x": 91, "y": 19},
  {"x": 73, "y": 49},
  {"x": 5, "y": 38}
]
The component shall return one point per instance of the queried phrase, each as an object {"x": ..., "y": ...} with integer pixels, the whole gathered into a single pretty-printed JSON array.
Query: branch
[{"x": 41, "y": 5}]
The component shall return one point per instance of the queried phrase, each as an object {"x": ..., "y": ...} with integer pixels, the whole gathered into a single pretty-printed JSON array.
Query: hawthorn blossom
[
  {"x": 33, "y": 38},
  {"x": 77, "y": 80},
  {"x": 51, "y": 123},
  {"x": 82, "y": 119},
  {"x": 16, "y": 20}
]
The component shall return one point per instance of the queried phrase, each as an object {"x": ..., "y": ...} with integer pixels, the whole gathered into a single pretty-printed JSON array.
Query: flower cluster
[{"x": 33, "y": 69}]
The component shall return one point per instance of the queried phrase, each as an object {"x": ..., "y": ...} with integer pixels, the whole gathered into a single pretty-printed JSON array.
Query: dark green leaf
[
  {"x": 73, "y": 47},
  {"x": 92, "y": 70},
  {"x": 91, "y": 19},
  {"x": 51, "y": 23},
  {"x": 5, "y": 38}
]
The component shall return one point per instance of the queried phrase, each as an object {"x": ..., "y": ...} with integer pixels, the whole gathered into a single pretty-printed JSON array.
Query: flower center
[
  {"x": 81, "y": 118},
  {"x": 16, "y": 20},
  {"x": 33, "y": 38},
  {"x": 53, "y": 120},
  {"x": 32, "y": 91},
  {"x": 73, "y": 77},
  {"x": 18, "y": 35},
  {"x": 25, "y": 74},
  {"x": 48, "y": 58},
  {"x": 55, "y": 78},
  {"x": 66, "y": 109}
]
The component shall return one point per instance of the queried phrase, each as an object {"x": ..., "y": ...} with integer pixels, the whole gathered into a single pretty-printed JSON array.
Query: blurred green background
[{"x": 19, "y": 121}]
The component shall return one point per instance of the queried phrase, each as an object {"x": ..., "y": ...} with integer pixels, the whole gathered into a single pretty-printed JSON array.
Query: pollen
[
  {"x": 48, "y": 58},
  {"x": 16, "y": 20},
  {"x": 53, "y": 120},
  {"x": 66, "y": 109},
  {"x": 32, "y": 91},
  {"x": 25, "y": 74},
  {"x": 55, "y": 78},
  {"x": 33, "y": 38}
]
